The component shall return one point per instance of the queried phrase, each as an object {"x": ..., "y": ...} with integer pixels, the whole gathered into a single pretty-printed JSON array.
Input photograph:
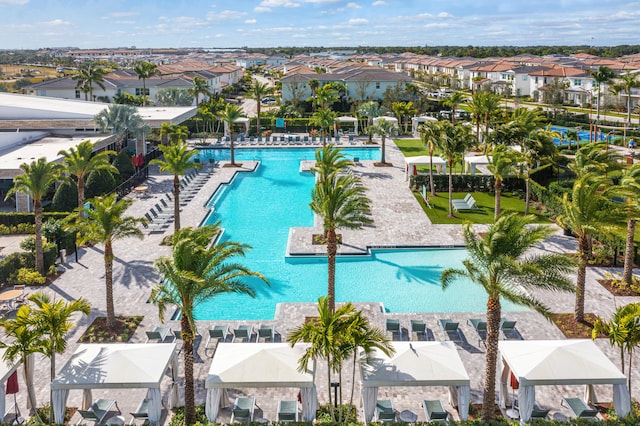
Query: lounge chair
[
  {"x": 508, "y": 328},
  {"x": 579, "y": 409},
  {"x": 265, "y": 332},
  {"x": 218, "y": 332},
  {"x": 538, "y": 413},
  {"x": 243, "y": 410},
  {"x": 418, "y": 327},
  {"x": 243, "y": 332},
  {"x": 434, "y": 410},
  {"x": 480, "y": 327},
  {"x": 450, "y": 328},
  {"x": 392, "y": 325},
  {"x": 159, "y": 334},
  {"x": 22, "y": 298},
  {"x": 288, "y": 411},
  {"x": 141, "y": 413},
  {"x": 98, "y": 411},
  {"x": 384, "y": 411}
]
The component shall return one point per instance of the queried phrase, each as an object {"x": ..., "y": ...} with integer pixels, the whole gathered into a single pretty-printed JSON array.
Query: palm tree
[
  {"x": 601, "y": 76},
  {"x": 594, "y": 158},
  {"x": 572, "y": 136},
  {"x": 177, "y": 161},
  {"x": 80, "y": 161},
  {"x": 538, "y": 153},
  {"x": 197, "y": 271},
  {"x": 629, "y": 81},
  {"x": 229, "y": 115},
  {"x": 122, "y": 121},
  {"x": 174, "y": 133},
  {"x": 385, "y": 129},
  {"x": 491, "y": 109},
  {"x": 402, "y": 110},
  {"x": 586, "y": 212},
  {"x": 341, "y": 202},
  {"x": 258, "y": 92},
  {"x": 105, "y": 223},
  {"x": 52, "y": 320},
  {"x": 476, "y": 108},
  {"x": 88, "y": 75},
  {"x": 329, "y": 160},
  {"x": 35, "y": 181},
  {"x": 429, "y": 135},
  {"x": 497, "y": 262},
  {"x": 323, "y": 118},
  {"x": 172, "y": 96},
  {"x": 313, "y": 86},
  {"x": 200, "y": 87},
  {"x": 370, "y": 110},
  {"x": 630, "y": 189},
  {"x": 325, "y": 96},
  {"x": 452, "y": 102},
  {"x": 503, "y": 163},
  {"x": 145, "y": 70}
]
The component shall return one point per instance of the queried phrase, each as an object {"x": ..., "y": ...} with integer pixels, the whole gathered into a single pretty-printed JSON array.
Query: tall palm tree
[
  {"x": 385, "y": 129},
  {"x": 329, "y": 160},
  {"x": 402, "y": 111},
  {"x": 178, "y": 159},
  {"x": 197, "y": 271},
  {"x": 174, "y": 133},
  {"x": 629, "y": 81},
  {"x": 313, "y": 86},
  {"x": 586, "y": 212},
  {"x": 429, "y": 134},
  {"x": 200, "y": 87},
  {"x": 172, "y": 96},
  {"x": 325, "y": 96},
  {"x": 104, "y": 223},
  {"x": 323, "y": 118},
  {"x": 258, "y": 92},
  {"x": 601, "y": 76},
  {"x": 370, "y": 110},
  {"x": 122, "y": 121},
  {"x": 499, "y": 262},
  {"x": 594, "y": 158},
  {"x": 476, "y": 108},
  {"x": 145, "y": 70},
  {"x": 341, "y": 202},
  {"x": 452, "y": 102},
  {"x": 491, "y": 109},
  {"x": 229, "y": 115},
  {"x": 80, "y": 161},
  {"x": 503, "y": 163},
  {"x": 572, "y": 136},
  {"x": 630, "y": 188},
  {"x": 35, "y": 181},
  {"x": 538, "y": 153},
  {"x": 52, "y": 320},
  {"x": 88, "y": 75}
]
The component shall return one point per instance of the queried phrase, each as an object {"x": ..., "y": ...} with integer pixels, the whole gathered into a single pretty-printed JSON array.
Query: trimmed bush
[
  {"x": 467, "y": 183},
  {"x": 124, "y": 164},
  {"x": 99, "y": 182},
  {"x": 66, "y": 197},
  {"x": 27, "y": 276},
  {"x": 16, "y": 218}
]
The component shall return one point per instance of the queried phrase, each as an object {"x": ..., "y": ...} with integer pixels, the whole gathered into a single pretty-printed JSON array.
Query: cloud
[
  {"x": 225, "y": 15},
  {"x": 250, "y": 21},
  {"x": 352, "y": 5},
  {"x": 358, "y": 21},
  {"x": 13, "y": 2},
  {"x": 261, "y": 9},
  {"x": 278, "y": 3},
  {"x": 379, "y": 3},
  {"x": 124, "y": 22},
  {"x": 122, "y": 14}
]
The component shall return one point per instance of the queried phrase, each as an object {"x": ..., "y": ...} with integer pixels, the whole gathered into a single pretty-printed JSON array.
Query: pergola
[
  {"x": 346, "y": 119},
  {"x": 244, "y": 120},
  {"x": 386, "y": 118},
  {"x": 411, "y": 162},
  {"x": 261, "y": 365},
  {"x": 6, "y": 370},
  {"x": 415, "y": 122},
  {"x": 415, "y": 364},
  {"x": 558, "y": 362},
  {"x": 117, "y": 366}
]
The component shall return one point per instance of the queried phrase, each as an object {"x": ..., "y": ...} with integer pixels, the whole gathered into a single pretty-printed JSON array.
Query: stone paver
[{"x": 399, "y": 221}]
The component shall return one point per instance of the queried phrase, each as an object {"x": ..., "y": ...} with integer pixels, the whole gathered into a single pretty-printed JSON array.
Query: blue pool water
[
  {"x": 259, "y": 209},
  {"x": 583, "y": 135}
]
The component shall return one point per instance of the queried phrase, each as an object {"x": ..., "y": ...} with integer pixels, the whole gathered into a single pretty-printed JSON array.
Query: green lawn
[
  {"x": 414, "y": 147},
  {"x": 440, "y": 208}
]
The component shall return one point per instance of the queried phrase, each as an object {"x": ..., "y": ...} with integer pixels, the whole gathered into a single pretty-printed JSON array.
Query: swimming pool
[
  {"x": 583, "y": 135},
  {"x": 259, "y": 208}
]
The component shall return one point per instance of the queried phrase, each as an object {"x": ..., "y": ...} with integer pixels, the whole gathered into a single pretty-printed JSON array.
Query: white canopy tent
[
  {"x": 263, "y": 365},
  {"x": 245, "y": 122},
  {"x": 415, "y": 364},
  {"x": 393, "y": 120},
  {"x": 346, "y": 119},
  {"x": 411, "y": 162},
  {"x": 473, "y": 161},
  {"x": 415, "y": 122},
  {"x": 6, "y": 370},
  {"x": 558, "y": 362},
  {"x": 117, "y": 366}
]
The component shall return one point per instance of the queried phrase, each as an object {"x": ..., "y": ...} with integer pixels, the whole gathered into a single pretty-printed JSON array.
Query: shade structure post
[
  {"x": 28, "y": 368},
  {"x": 369, "y": 398},
  {"x": 309, "y": 398},
  {"x": 464, "y": 398},
  {"x": 590, "y": 394},
  {"x": 59, "y": 404},
  {"x": 3, "y": 402},
  {"x": 87, "y": 399},
  {"x": 503, "y": 373},
  {"x": 174, "y": 392},
  {"x": 526, "y": 401},
  {"x": 621, "y": 400},
  {"x": 212, "y": 403},
  {"x": 154, "y": 405}
]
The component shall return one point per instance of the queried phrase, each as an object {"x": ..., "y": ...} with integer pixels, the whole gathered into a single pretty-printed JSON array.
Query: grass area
[
  {"x": 440, "y": 208},
  {"x": 414, "y": 148}
]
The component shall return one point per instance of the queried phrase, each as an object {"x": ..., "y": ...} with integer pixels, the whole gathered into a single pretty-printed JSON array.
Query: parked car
[{"x": 268, "y": 100}]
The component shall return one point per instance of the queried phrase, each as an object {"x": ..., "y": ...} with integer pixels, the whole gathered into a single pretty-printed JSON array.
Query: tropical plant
[
  {"x": 197, "y": 271},
  {"x": 370, "y": 110},
  {"x": 325, "y": 119},
  {"x": 172, "y": 96},
  {"x": 178, "y": 159},
  {"x": 429, "y": 134},
  {"x": 230, "y": 115},
  {"x": 403, "y": 111},
  {"x": 629, "y": 81},
  {"x": 145, "y": 70},
  {"x": 538, "y": 153},
  {"x": 325, "y": 96},
  {"x": 601, "y": 76},
  {"x": 501, "y": 264},
  {"x": 51, "y": 319},
  {"x": 35, "y": 181},
  {"x": 503, "y": 163},
  {"x": 89, "y": 74},
  {"x": 258, "y": 92},
  {"x": 491, "y": 109},
  {"x": 329, "y": 160},
  {"x": 199, "y": 87},
  {"x": 104, "y": 223},
  {"x": 384, "y": 129},
  {"x": 594, "y": 158},
  {"x": 122, "y": 121},
  {"x": 571, "y": 136},
  {"x": 629, "y": 188},
  {"x": 80, "y": 161},
  {"x": 452, "y": 102}
]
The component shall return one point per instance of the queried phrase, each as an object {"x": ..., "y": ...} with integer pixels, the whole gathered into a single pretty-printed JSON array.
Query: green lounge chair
[
  {"x": 393, "y": 326},
  {"x": 158, "y": 334},
  {"x": 419, "y": 327},
  {"x": 507, "y": 327},
  {"x": 265, "y": 332},
  {"x": 243, "y": 410},
  {"x": 141, "y": 413},
  {"x": 218, "y": 332},
  {"x": 98, "y": 411},
  {"x": 384, "y": 411},
  {"x": 480, "y": 327},
  {"x": 538, "y": 413},
  {"x": 450, "y": 329},
  {"x": 434, "y": 410},
  {"x": 243, "y": 332},
  {"x": 288, "y": 411},
  {"x": 579, "y": 409}
]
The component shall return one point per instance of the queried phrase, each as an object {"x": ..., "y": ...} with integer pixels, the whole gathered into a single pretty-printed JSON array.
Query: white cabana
[
  {"x": 346, "y": 119},
  {"x": 262, "y": 365},
  {"x": 473, "y": 161},
  {"x": 6, "y": 370},
  {"x": 386, "y": 118},
  {"x": 117, "y": 366},
  {"x": 411, "y": 162},
  {"x": 558, "y": 362},
  {"x": 245, "y": 125},
  {"x": 415, "y": 364},
  {"x": 415, "y": 122}
]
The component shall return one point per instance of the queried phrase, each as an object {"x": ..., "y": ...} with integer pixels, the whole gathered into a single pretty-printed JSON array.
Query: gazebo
[
  {"x": 415, "y": 122},
  {"x": 558, "y": 362},
  {"x": 117, "y": 366},
  {"x": 346, "y": 119},
  {"x": 386, "y": 118},
  {"x": 245, "y": 122},
  {"x": 472, "y": 162},
  {"x": 411, "y": 162},
  {"x": 261, "y": 365},
  {"x": 6, "y": 370},
  {"x": 415, "y": 364}
]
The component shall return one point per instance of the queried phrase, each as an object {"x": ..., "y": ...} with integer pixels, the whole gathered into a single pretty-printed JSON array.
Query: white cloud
[
  {"x": 379, "y": 3},
  {"x": 13, "y": 2},
  {"x": 55, "y": 23},
  {"x": 278, "y": 3},
  {"x": 357, "y": 21},
  {"x": 250, "y": 21},
  {"x": 225, "y": 15},
  {"x": 122, "y": 14},
  {"x": 261, "y": 9},
  {"x": 444, "y": 15},
  {"x": 352, "y": 5},
  {"x": 124, "y": 22}
]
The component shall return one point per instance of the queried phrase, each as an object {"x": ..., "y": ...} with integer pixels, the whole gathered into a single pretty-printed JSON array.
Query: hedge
[
  {"x": 467, "y": 183},
  {"x": 15, "y": 218},
  {"x": 15, "y": 261}
]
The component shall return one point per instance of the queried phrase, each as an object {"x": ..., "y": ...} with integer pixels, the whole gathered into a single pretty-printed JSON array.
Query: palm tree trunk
[
  {"x": 332, "y": 249},
  {"x": 527, "y": 193},
  {"x": 369, "y": 124},
  {"x": 353, "y": 379},
  {"x": 37, "y": 213},
  {"x": 258, "y": 129},
  {"x": 498, "y": 187},
  {"x": 27, "y": 376},
  {"x": 52, "y": 375},
  {"x": 144, "y": 92},
  {"x": 176, "y": 202},
  {"x": 233, "y": 158},
  {"x": 331, "y": 412},
  {"x": 80, "y": 191},
  {"x": 433, "y": 189},
  {"x": 630, "y": 365},
  {"x": 450, "y": 188},
  {"x": 583, "y": 253},
  {"x": 108, "y": 278},
  {"x": 187, "y": 349},
  {"x": 382, "y": 150},
  {"x": 493, "y": 334},
  {"x": 629, "y": 252}
]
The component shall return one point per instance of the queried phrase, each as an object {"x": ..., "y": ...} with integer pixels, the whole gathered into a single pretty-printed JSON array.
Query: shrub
[
  {"x": 66, "y": 197},
  {"x": 467, "y": 183},
  {"x": 52, "y": 229},
  {"x": 27, "y": 276},
  {"x": 124, "y": 164},
  {"x": 99, "y": 182}
]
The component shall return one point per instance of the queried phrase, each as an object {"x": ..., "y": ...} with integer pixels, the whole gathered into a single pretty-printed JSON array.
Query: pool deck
[{"x": 399, "y": 221}]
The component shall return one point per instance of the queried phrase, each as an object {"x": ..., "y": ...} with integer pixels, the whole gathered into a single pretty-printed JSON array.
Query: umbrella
[{"x": 13, "y": 388}]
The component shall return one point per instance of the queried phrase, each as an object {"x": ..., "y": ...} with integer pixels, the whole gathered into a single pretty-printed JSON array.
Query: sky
[{"x": 31, "y": 24}]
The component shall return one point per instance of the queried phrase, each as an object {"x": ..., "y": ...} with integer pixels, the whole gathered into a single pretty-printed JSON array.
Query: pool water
[
  {"x": 259, "y": 208},
  {"x": 583, "y": 135}
]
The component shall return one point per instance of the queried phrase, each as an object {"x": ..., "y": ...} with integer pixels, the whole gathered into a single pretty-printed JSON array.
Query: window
[
  {"x": 536, "y": 80},
  {"x": 377, "y": 84},
  {"x": 524, "y": 78},
  {"x": 139, "y": 91},
  {"x": 577, "y": 82},
  {"x": 77, "y": 94}
]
